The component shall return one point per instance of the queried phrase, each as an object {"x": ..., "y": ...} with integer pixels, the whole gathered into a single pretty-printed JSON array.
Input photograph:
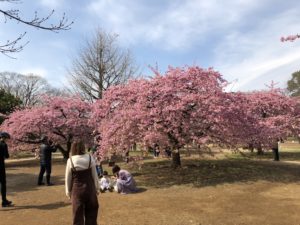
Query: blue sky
[{"x": 238, "y": 38}]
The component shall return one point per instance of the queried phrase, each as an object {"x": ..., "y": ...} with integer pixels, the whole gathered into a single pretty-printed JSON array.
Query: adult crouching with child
[
  {"x": 82, "y": 185},
  {"x": 125, "y": 182}
]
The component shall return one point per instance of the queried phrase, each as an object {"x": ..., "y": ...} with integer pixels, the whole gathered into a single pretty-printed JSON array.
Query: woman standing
[{"x": 82, "y": 185}]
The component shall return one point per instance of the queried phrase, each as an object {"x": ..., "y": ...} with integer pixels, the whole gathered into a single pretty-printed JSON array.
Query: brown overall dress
[{"x": 84, "y": 197}]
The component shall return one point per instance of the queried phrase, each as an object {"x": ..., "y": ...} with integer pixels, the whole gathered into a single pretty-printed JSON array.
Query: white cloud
[
  {"x": 254, "y": 58},
  {"x": 245, "y": 33},
  {"x": 241, "y": 36},
  {"x": 58, "y": 79},
  {"x": 52, "y": 4},
  {"x": 254, "y": 73},
  {"x": 34, "y": 70},
  {"x": 179, "y": 25}
]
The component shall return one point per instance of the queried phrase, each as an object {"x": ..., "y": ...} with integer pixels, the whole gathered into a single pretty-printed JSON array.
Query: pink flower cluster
[
  {"x": 290, "y": 38},
  {"x": 62, "y": 119},
  {"x": 189, "y": 105},
  {"x": 183, "y": 106}
]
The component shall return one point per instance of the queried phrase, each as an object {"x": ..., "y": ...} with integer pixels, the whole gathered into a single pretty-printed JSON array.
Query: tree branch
[{"x": 36, "y": 22}]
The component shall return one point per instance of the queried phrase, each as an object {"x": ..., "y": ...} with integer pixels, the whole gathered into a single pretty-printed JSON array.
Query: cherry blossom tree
[
  {"x": 62, "y": 119},
  {"x": 120, "y": 129},
  {"x": 189, "y": 105},
  {"x": 183, "y": 106},
  {"x": 171, "y": 110},
  {"x": 273, "y": 114}
]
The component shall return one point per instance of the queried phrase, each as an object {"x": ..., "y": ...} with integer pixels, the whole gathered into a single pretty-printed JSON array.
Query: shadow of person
[
  {"x": 140, "y": 190},
  {"x": 50, "y": 206}
]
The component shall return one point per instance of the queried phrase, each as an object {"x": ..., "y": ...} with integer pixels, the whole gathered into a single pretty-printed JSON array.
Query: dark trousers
[
  {"x": 3, "y": 184},
  {"x": 85, "y": 210},
  {"x": 44, "y": 168},
  {"x": 84, "y": 199}
]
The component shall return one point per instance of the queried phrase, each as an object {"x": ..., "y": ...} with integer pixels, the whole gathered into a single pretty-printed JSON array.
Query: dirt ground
[{"x": 206, "y": 192}]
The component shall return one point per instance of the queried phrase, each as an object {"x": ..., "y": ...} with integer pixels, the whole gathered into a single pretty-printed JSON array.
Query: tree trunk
[
  {"x": 276, "y": 154},
  {"x": 260, "y": 151},
  {"x": 64, "y": 152},
  {"x": 251, "y": 147},
  {"x": 188, "y": 152},
  {"x": 176, "y": 162},
  {"x": 69, "y": 144},
  {"x": 134, "y": 147}
]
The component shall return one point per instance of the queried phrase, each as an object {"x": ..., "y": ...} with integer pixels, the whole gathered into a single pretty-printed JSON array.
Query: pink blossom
[
  {"x": 290, "y": 38},
  {"x": 62, "y": 119}
]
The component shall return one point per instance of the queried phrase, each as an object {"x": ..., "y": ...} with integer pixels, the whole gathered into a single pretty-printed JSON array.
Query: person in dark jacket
[
  {"x": 3, "y": 155},
  {"x": 46, "y": 149}
]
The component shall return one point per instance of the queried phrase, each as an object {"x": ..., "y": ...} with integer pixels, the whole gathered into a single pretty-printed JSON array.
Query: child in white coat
[{"x": 105, "y": 183}]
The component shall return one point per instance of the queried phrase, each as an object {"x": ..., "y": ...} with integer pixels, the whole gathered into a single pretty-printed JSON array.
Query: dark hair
[
  {"x": 116, "y": 169},
  {"x": 4, "y": 135},
  {"x": 78, "y": 148},
  {"x": 105, "y": 173}
]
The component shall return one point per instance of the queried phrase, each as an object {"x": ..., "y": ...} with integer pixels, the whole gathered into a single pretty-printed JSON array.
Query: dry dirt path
[{"x": 257, "y": 202}]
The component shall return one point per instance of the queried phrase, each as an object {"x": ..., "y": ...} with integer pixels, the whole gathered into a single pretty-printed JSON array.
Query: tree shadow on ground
[
  {"x": 200, "y": 173},
  {"x": 291, "y": 156},
  {"x": 50, "y": 206},
  {"x": 29, "y": 163},
  {"x": 286, "y": 155},
  {"x": 23, "y": 182}
]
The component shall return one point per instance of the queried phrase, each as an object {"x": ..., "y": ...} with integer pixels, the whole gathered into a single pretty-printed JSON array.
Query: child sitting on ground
[{"x": 105, "y": 183}]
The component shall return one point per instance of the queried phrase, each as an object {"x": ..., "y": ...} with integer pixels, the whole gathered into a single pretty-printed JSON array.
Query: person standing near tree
[
  {"x": 3, "y": 155},
  {"x": 46, "y": 149},
  {"x": 275, "y": 149},
  {"x": 156, "y": 151},
  {"x": 82, "y": 185}
]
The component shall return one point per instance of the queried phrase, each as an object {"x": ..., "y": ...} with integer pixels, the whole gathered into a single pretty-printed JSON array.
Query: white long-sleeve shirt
[
  {"x": 104, "y": 182},
  {"x": 81, "y": 162}
]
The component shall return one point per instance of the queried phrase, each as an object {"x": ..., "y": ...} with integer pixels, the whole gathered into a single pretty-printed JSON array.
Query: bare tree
[
  {"x": 28, "y": 88},
  {"x": 100, "y": 64},
  {"x": 63, "y": 92},
  {"x": 38, "y": 22}
]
